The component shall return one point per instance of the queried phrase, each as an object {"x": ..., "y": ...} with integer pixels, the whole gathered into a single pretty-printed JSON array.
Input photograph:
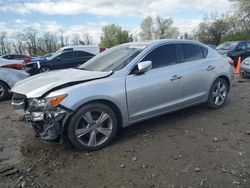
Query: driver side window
[{"x": 162, "y": 56}]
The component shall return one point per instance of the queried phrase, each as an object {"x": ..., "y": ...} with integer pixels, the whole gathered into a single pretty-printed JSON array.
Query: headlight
[
  {"x": 246, "y": 62},
  {"x": 47, "y": 103}
]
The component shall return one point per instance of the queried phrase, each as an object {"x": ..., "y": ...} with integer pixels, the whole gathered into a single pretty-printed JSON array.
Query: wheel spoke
[
  {"x": 103, "y": 117},
  {"x": 105, "y": 131},
  {"x": 223, "y": 88},
  {"x": 88, "y": 117},
  {"x": 92, "y": 139},
  {"x": 218, "y": 86},
  {"x": 222, "y": 97},
  {"x": 214, "y": 94},
  {"x": 217, "y": 99},
  {"x": 82, "y": 132}
]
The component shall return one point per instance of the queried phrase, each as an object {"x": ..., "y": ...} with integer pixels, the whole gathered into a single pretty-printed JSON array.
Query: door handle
[
  {"x": 210, "y": 67},
  {"x": 175, "y": 77}
]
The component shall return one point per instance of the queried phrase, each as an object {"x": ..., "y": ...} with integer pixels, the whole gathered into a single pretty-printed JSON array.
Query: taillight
[
  {"x": 102, "y": 49},
  {"x": 231, "y": 62},
  {"x": 14, "y": 66}
]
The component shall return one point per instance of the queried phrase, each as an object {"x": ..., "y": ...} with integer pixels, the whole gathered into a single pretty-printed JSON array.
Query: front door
[{"x": 158, "y": 90}]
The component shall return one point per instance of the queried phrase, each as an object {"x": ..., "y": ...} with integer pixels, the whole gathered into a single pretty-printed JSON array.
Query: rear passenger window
[
  {"x": 192, "y": 52},
  {"x": 162, "y": 56}
]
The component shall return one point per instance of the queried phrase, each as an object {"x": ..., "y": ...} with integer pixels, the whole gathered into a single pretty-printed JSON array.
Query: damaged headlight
[{"x": 46, "y": 103}]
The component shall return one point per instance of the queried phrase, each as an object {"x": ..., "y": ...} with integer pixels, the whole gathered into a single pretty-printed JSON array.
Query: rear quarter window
[{"x": 192, "y": 52}]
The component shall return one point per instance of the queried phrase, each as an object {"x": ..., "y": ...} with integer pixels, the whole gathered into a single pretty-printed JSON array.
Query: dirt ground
[{"x": 195, "y": 147}]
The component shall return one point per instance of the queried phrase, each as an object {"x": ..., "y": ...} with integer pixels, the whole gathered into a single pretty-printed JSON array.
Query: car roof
[{"x": 164, "y": 41}]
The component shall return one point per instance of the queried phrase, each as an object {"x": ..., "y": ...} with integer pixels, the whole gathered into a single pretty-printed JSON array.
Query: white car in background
[{"x": 15, "y": 64}]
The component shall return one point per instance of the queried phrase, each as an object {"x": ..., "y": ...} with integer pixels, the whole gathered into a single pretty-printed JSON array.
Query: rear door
[
  {"x": 197, "y": 73},
  {"x": 80, "y": 57},
  {"x": 158, "y": 90}
]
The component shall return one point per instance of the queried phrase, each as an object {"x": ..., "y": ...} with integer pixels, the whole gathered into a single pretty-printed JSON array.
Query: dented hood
[{"x": 37, "y": 86}]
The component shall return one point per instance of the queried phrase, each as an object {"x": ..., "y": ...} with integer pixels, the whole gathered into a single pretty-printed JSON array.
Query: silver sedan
[{"x": 122, "y": 86}]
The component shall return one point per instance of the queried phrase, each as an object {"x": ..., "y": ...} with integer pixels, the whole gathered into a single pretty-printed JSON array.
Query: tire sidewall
[{"x": 76, "y": 118}]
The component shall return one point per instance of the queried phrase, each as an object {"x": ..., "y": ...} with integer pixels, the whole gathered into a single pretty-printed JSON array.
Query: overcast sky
[{"x": 89, "y": 16}]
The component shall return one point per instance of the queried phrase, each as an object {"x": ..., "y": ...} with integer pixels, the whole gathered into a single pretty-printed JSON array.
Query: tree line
[{"x": 213, "y": 29}]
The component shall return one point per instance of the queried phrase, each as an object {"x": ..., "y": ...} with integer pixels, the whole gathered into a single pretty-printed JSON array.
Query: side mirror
[
  {"x": 58, "y": 58},
  {"x": 143, "y": 67}
]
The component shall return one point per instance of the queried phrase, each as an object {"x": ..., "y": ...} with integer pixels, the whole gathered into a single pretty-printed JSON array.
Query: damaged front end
[{"x": 46, "y": 115}]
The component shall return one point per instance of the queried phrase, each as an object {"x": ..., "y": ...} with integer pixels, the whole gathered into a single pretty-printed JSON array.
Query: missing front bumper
[{"x": 48, "y": 125}]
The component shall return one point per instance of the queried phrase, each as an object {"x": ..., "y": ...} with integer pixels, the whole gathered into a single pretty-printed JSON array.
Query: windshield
[
  {"x": 113, "y": 59},
  {"x": 227, "y": 46}
]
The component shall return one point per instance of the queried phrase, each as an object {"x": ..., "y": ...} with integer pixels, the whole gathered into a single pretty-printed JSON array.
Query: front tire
[
  {"x": 4, "y": 91},
  {"x": 218, "y": 94},
  {"x": 92, "y": 127}
]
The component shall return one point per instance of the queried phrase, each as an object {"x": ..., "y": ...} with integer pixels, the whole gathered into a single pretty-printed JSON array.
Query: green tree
[
  {"x": 113, "y": 35},
  {"x": 147, "y": 29},
  {"x": 160, "y": 28},
  {"x": 243, "y": 14},
  {"x": 236, "y": 36},
  {"x": 211, "y": 30}
]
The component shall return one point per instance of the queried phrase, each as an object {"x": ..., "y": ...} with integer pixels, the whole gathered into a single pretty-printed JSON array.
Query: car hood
[
  {"x": 37, "y": 86},
  {"x": 223, "y": 52}
]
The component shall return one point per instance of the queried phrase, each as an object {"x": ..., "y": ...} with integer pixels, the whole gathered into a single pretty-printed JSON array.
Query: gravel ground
[{"x": 195, "y": 147}]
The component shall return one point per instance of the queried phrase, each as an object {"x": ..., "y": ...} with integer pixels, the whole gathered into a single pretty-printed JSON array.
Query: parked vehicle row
[
  {"x": 66, "y": 57},
  {"x": 235, "y": 49},
  {"x": 121, "y": 86}
]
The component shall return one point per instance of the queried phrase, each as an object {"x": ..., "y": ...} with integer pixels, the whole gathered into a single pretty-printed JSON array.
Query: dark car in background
[
  {"x": 59, "y": 60},
  {"x": 235, "y": 49}
]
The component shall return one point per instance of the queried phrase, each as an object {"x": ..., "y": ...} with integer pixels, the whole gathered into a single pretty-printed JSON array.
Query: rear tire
[
  {"x": 92, "y": 127},
  {"x": 218, "y": 94},
  {"x": 4, "y": 91}
]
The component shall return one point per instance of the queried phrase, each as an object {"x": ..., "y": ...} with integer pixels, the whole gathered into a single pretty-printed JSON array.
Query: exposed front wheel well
[{"x": 102, "y": 101}]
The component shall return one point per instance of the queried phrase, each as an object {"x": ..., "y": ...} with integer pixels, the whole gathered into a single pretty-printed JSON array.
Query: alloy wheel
[
  {"x": 220, "y": 93},
  {"x": 94, "y": 128}
]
